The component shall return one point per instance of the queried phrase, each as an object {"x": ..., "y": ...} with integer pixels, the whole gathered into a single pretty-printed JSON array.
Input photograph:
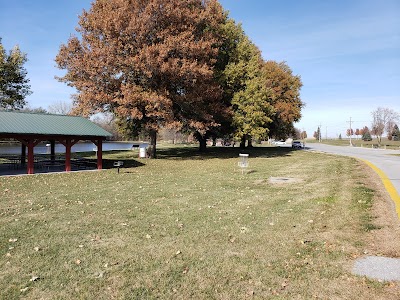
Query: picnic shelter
[{"x": 30, "y": 129}]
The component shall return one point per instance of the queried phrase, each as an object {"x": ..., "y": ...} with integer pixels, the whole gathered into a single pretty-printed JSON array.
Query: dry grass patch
[{"x": 181, "y": 228}]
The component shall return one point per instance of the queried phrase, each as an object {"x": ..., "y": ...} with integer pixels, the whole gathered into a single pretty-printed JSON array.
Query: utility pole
[
  {"x": 350, "y": 130},
  {"x": 326, "y": 132}
]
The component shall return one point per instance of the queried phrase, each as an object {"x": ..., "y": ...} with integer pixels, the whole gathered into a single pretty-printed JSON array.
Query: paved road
[{"x": 383, "y": 159}]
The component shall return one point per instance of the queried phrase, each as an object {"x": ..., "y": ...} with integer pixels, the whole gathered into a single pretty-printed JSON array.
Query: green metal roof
[{"x": 12, "y": 122}]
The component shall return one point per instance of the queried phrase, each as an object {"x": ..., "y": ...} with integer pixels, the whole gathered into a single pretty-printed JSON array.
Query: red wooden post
[
  {"x": 31, "y": 145},
  {"x": 100, "y": 154},
  {"x": 68, "y": 143},
  {"x": 68, "y": 155}
]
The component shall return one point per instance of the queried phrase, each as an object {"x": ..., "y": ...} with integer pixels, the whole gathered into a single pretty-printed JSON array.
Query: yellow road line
[{"x": 388, "y": 185}]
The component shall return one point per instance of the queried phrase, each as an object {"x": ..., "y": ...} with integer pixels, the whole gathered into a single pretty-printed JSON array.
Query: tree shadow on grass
[
  {"x": 126, "y": 163},
  {"x": 111, "y": 157},
  {"x": 192, "y": 153}
]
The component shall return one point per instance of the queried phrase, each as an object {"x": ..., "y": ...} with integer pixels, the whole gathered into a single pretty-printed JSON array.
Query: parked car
[
  {"x": 279, "y": 143},
  {"x": 297, "y": 145}
]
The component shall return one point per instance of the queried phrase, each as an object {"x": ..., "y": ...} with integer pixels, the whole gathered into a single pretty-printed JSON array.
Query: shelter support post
[
  {"x": 31, "y": 143},
  {"x": 52, "y": 150},
  {"x": 31, "y": 158},
  {"x": 23, "y": 154},
  {"x": 99, "y": 145},
  {"x": 68, "y": 143},
  {"x": 68, "y": 155}
]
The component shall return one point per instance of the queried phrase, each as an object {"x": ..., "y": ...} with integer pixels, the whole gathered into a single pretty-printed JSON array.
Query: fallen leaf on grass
[
  {"x": 243, "y": 229},
  {"x": 24, "y": 289},
  {"x": 305, "y": 242},
  {"x": 284, "y": 285},
  {"x": 12, "y": 240},
  {"x": 34, "y": 278},
  {"x": 232, "y": 239},
  {"x": 99, "y": 274},
  {"x": 96, "y": 238},
  {"x": 78, "y": 262},
  {"x": 36, "y": 249}
]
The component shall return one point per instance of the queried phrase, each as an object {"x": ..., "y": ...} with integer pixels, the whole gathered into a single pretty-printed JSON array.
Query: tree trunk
[
  {"x": 202, "y": 142},
  {"x": 153, "y": 141},
  {"x": 203, "y": 145},
  {"x": 249, "y": 142},
  {"x": 214, "y": 141},
  {"x": 243, "y": 142}
]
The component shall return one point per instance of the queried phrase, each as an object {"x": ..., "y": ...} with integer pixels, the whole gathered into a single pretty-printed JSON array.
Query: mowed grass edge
[{"x": 190, "y": 226}]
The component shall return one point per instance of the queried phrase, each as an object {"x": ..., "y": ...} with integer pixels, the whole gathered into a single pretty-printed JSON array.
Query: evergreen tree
[
  {"x": 366, "y": 136},
  {"x": 14, "y": 85},
  {"x": 396, "y": 133},
  {"x": 317, "y": 134}
]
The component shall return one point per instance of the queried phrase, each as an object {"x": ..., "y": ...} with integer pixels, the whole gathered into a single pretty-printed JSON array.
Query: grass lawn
[{"x": 186, "y": 226}]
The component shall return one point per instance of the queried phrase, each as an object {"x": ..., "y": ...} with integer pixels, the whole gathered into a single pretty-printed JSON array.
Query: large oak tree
[
  {"x": 150, "y": 62},
  {"x": 285, "y": 88},
  {"x": 263, "y": 97},
  {"x": 239, "y": 71},
  {"x": 252, "y": 109}
]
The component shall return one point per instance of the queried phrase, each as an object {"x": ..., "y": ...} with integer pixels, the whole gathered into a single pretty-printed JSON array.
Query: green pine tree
[
  {"x": 396, "y": 133},
  {"x": 14, "y": 85},
  {"x": 367, "y": 136}
]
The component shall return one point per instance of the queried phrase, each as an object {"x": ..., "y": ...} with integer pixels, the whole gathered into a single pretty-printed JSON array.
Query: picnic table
[{"x": 11, "y": 160}]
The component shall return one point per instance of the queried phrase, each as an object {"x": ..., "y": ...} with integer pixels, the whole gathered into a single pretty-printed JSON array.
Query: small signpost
[{"x": 118, "y": 164}]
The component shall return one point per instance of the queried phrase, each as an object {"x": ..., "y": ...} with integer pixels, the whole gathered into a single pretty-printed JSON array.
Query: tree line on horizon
[
  {"x": 184, "y": 65},
  {"x": 383, "y": 121}
]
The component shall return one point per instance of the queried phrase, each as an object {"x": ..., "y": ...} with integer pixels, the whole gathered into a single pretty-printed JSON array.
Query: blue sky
[{"x": 346, "y": 52}]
